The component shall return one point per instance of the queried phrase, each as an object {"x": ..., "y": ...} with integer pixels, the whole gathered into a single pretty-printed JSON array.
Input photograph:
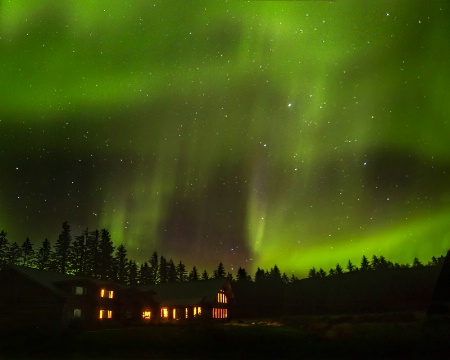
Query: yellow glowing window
[
  {"x": 186, "y": 313},
  {"x": 103, "y": 314},
  {"x": 164, "y": 313},
  {"x": 219, "y": 313},
  {"x": 197, "y": 310},
  {"x": 106, "y": 293},
  {"x": 221, "y": 297},
  {"x": 146, "y": 314},
  {"x": 174, "y": 314}
]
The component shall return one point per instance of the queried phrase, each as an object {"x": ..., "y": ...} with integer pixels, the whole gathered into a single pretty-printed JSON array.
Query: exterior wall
[{"x": 24, "y": 303}]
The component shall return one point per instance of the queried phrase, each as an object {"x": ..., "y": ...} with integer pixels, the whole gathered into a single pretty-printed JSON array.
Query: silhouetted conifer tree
[
  {"x": 436, "y": 261},
  {"x": 13, "y": 254},
  {"x": 321, "y": 273},
  {"x": 205, "y": 275},
  {"x": 27, "y": 253},
  {"x": 193, "y": 275},
  {"x": 154, "y": 268},
  {"x": 106, "y": 258},
  {"x": 338, "y": 269},
  {"x": 163, "y": 270},
  {"x": 351, "y": 267},
  {"x": 416, "y": 263},
  {"x": 181, "y": 272},
  {"x": 43, "y": 256},
  {"x": 92, "y": 254},
  {"x": 77, "y": 254},
  {"x": 171, "y": 272},
  {"x": 144, "y": 274},
  {"x": 312, "y": 272},
  {"x": 375, "y": 264},
  {"x": 383, "y": 264},
  {"x": 220, "y": 271},
  {"x": 121, "y": 264},
  {"x": 275, "y": 274},
  {"x": 260, "y": 275},
  {"x": 365, "y": 265},
  {"x": 4, "y": 246},
  {"x": 61, "y": 248},
  {"x": 242, "y": 275},
  {"x": 132, "y": 273}
]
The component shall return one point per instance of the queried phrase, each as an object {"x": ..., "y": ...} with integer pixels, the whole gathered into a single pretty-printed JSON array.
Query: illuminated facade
[{"x": 94, "y": 303}]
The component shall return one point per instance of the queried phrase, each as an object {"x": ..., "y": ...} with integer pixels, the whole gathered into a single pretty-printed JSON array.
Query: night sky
[{"x": 296, "y": 133}]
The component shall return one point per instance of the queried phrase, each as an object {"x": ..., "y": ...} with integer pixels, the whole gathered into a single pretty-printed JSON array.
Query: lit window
[
  {"x": 164, "y": 313},
  {"x": 197, "y": 310},
  {"x": 106, "y": 293},
  {"x": 105, "y": 314},
  {"x": 218, "y": 313},
  {"x": 174, "y": 314},
  {"x": 186, "y": 313},
  {"x": 76, "y": 313},
  {"x": 78, "y": 290},
  {"x": 221, "y": 297},
  {"x": 146, "y": 314}
]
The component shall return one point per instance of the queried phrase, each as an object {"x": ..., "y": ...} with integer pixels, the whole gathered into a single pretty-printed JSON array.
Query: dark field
[{"x": 396, "y": 336}]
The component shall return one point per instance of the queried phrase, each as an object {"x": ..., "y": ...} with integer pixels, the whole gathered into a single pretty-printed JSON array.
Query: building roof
[
  {"x": 50, "y": 280},
  {"x": 189, "y": 292},
  {"x": 46, "y": 279}
]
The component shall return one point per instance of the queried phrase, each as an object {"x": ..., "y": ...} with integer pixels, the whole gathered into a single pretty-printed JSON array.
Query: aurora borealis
[{"x": 296, "y": 133}]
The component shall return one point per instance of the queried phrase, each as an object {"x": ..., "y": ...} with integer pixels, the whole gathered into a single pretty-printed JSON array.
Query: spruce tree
[
  {"x": 77, "y": 254},
  {"x": 144, "y": 274},
  {"x": 14, "y": 253},
  {"x": 365, "y": 265},
  {"x": 27, "y": 253},
  {"x": 44, "y": 255},
  {"x": 242, "y": 275},
  {"x": 4, "y": 246},
  {"x": 163, "y": 270},
  {"x": 106, "y": 259},
  {"x": 121, "y": 264},
  {"x": 132, "y": 279},
  {"x": 171, "y": 272},
  {"x": 154, "y": 268},
  {"x": 193, "y": 275},
  {"x": 181, "y": 272},
  {"x": 220, "y": 271},
  {"x": 92, "y": 254},
  {"x": 61, "y": 247},
  {"x": 205, "y": 275}
]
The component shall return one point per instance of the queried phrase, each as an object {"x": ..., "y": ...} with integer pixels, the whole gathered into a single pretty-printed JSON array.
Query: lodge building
[{"x": 37, "y": 298}]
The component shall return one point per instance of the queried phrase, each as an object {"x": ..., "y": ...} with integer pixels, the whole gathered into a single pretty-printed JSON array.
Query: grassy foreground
[{"x": 396, "y": 336}]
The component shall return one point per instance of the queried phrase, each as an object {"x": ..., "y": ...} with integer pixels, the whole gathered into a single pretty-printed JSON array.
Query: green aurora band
[{"x": 296, "y": 133}]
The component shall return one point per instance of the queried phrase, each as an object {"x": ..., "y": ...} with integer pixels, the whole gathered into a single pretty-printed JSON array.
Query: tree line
[
  {"x": 377, "y": 263},
  {"x": 92, "y": 254}
]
